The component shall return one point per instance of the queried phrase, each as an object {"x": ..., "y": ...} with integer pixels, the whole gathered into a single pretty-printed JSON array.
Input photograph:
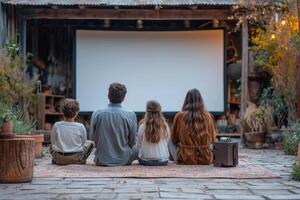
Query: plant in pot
[
  {"x": 276, "y": 117},
  {"x": 254, "y": 126},
  {"x": 6, "y": 122},
  {"x": 24, "y": 127}
]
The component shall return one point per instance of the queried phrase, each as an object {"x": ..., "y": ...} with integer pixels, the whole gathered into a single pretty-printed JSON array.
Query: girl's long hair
[
  {"x": 155, "y": 123},
  {"x": 196, "y": 117}
]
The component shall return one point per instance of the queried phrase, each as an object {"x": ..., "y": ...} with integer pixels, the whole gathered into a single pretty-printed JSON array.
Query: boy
[{"x": 69, "y": 143}]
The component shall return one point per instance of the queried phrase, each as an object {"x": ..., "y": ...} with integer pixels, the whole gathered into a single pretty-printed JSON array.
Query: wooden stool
[{"x": 16, "y": 160}]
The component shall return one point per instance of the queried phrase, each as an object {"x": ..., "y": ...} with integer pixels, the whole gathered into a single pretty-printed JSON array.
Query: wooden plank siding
[
  {"x": 125, "y": 14},
  {"x": 122, "y": 2}
]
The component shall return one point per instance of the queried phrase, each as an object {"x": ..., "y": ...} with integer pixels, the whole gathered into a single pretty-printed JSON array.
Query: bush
[
  {"x": 296, "y": 173},
  {"x": 291, "y": 140}
]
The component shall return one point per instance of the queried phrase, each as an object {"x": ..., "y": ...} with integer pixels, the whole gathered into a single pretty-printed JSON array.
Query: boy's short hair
[
  {"x": 117, "y": 92},
  {"x": 70, "y": 108}
]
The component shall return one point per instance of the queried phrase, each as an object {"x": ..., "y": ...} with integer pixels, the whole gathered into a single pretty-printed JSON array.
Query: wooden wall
[{"x": 8, "y": 24}]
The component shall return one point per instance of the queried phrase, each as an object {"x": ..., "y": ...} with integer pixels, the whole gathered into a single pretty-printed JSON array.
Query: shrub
[
  {"x": 291, "y": 140},
  {"x": 296, "y": 173}
]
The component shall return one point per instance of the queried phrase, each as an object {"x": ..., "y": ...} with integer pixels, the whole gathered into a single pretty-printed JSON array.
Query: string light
[
  {"x": 106, "y": 23},
  {"x": 283, "y": 22},
  {"x": 139, "y": 24},
  {"x": 273, "y": 36}
]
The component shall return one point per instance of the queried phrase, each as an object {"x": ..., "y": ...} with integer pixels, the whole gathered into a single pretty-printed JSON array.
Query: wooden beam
[
  {"x": 126, "y": 14},
  {"x": 22, "y": 38},
  {"x": 244, "y": 79},
  {"x": 298, "y": 71}
]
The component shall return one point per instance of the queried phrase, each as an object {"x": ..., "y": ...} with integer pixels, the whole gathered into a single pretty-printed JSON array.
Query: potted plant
[
  {"x": 6, "y": 123},
  {"x": 277, "y": 113},
  {"x": 25, "y": 127},
  {"x": 254, "y": 126}
]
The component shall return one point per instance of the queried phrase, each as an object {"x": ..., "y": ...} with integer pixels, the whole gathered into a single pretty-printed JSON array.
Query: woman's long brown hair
[
  {"x": 196, "y": 117},
  {"x": 155, "y": 123}
]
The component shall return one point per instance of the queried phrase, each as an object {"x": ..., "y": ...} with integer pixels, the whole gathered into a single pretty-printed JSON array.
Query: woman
[
  {"x": 193, "y": 132},
  {"x": 153, "y": 136}
]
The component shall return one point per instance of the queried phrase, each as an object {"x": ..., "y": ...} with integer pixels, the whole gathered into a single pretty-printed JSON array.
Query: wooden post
[
  {"x": 22, "y": 26},
  {"x": 244, "y": 79},
  {"x": 2, "y": 25},
  {"x": 298, "y": 88},
  {"x": 34, "y": 42},
  {"x": 298, "y": 70}
]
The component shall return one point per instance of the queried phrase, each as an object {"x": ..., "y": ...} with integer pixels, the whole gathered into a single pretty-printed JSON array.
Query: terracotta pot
[
  {"x": 279, "y": 146},
  {"x": 255, "y": 136},
  {"x": 7, "y": 130},
  {"x": 38, "y": 139},
  {"x": 7, "y": 127},
  {"x": 255, "y": 145},
  {"x": 255, "y": 140}
]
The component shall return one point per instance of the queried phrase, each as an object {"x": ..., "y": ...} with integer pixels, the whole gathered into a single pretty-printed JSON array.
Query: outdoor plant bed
[{"x": 16, "y": 163}]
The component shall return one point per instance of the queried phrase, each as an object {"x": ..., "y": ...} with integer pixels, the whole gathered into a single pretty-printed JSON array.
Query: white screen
[{"x": 153, "y": 65}]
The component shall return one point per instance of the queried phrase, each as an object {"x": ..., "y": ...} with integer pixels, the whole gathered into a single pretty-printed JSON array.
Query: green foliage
[
  {"x": 291, "y": 140},
  {"x": 22, "y": 125},
  {"x": 295, "y": 41},
  {"x": 13, "y": 49},
  {"x": 5, "y": 114},
  {"x": 275, "y": 41},
  {"x": 271, "y": 99},
  {"x": 15, "y": 85},
  {"x": 296, "y": 173},
  {"x": 17, "y": 90}
]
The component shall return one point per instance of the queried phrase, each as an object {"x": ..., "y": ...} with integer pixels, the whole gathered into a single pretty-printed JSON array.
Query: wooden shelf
[
  {"x": 55, "y": 96},
  {"x": 228, "y": 134},
  {"x": 48, "y": 108},
  {"x": 235, "y": 102},
  {"x": 53, "y": 113}
]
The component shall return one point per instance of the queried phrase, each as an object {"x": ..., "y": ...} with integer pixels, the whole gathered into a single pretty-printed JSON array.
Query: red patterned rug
[{"x": 245, "y": 170}]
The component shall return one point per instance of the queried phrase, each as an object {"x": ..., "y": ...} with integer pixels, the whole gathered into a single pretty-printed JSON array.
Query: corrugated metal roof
[{"x": 120, "y": 2}]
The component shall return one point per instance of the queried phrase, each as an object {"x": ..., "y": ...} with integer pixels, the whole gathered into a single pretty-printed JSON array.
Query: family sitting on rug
[{"x": 118, "y": 141}]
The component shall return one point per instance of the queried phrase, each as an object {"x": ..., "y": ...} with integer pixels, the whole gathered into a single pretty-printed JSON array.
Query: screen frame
[{"x": 225, "y": 77}]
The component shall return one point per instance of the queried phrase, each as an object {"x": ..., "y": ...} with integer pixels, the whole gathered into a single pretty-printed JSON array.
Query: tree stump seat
[{"x": 16, "y": 160}]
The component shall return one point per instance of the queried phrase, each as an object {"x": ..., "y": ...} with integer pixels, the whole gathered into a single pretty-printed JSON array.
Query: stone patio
[{"x": 167, "y": 188}]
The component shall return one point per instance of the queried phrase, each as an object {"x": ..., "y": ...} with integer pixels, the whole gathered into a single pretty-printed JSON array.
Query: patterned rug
[{"x": 245, "y": 170}]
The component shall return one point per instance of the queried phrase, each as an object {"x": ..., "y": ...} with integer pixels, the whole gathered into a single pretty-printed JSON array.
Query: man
[{"x": 113, "y": 130}]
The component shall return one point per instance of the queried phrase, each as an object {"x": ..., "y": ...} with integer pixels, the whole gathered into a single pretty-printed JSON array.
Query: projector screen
[{"x": 160, "y": 65}]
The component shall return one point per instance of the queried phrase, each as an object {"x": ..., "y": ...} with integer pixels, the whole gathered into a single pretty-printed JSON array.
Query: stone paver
[
  {"x": 283, "y": 197},
  {"x": 172, "y": 188},
  {"x": 238, "y": 197}
]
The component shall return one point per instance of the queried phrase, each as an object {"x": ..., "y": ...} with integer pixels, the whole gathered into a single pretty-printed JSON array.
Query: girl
[
  {"x": 153, "y": 137},
  {"x": 193, "y": 132}
]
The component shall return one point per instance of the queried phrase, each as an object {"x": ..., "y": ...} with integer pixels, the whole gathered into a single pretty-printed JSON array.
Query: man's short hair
[
  {"x": 117, "y": 92},
  {"x": 70, "y": 108}
]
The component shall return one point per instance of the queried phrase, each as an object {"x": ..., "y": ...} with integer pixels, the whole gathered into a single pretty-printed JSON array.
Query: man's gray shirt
[{"x": 113, "y": 129}]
